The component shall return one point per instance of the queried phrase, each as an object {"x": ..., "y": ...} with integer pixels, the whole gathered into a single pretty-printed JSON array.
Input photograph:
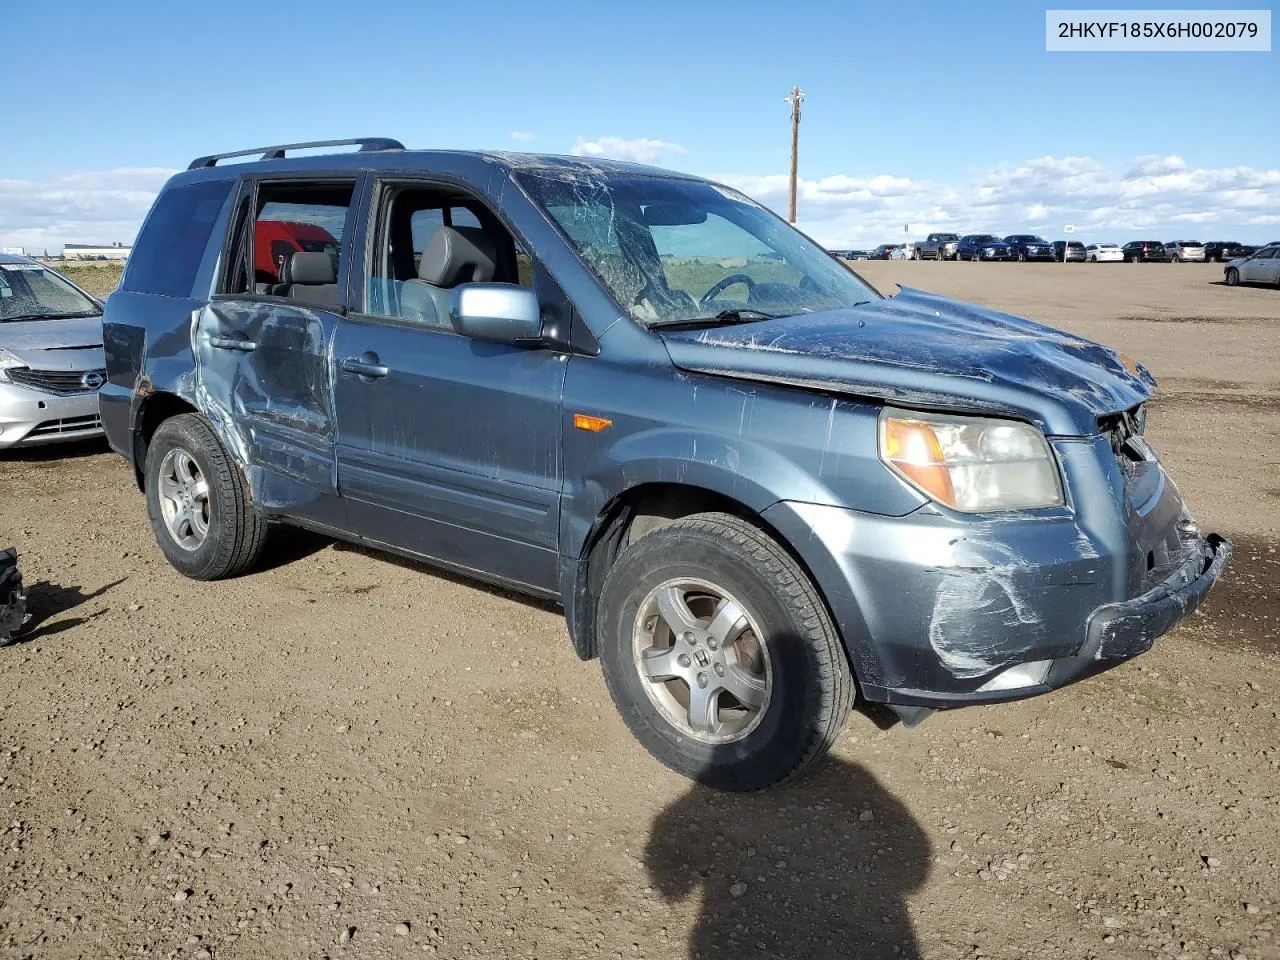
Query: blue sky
[{"x": 929, "y": 111}]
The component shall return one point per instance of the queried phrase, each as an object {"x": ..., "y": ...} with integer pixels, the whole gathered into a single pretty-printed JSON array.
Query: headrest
[
  {"x": 457, "y": 255},
  {"x": 309, "y": 268}
]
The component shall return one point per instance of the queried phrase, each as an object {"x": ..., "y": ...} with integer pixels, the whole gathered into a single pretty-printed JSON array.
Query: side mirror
[{"x": 499, "y": 312}]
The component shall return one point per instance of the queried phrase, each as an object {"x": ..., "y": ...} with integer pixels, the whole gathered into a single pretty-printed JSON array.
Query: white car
[
  {"x": 1103, "y": 253},
  {"x": 1180, "y": 250},
  {"x": 1262, "y": 267},
  {"x": 51, "y": 359},
  {"x": 904, "y": 251}
]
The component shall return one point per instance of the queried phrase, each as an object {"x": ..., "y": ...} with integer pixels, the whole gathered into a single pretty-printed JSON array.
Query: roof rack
[{"x": 367, "y": 144}]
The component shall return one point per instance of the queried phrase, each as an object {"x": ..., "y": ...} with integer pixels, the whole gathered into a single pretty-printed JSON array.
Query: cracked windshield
[{"x": 682, "y": 252}]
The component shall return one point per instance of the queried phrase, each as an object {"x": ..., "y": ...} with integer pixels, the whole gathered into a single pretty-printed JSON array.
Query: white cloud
[
  {"x": 1152, "y": 164},
  {"x": 1158, "y": 196},
  {"x": 102, "y": 206},
  {"x": 524, "y": 135},
  {"x": 641, "y": 150}
]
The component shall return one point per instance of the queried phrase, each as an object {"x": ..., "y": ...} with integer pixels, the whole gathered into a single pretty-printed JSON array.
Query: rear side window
[{"x": 168, "y": 251}]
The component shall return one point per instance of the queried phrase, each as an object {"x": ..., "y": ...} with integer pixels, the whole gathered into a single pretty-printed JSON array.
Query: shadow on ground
[
  {"x": 428, "y": 570},
  {"x": 46, "y": 600},
  {"x": 799, "y": 871},
  {"x": 52, "y": 454}
]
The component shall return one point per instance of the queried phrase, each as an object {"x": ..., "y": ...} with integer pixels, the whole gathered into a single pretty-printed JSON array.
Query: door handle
[
  {"x": 233, "y": 343},
  {"x": 366, "y": 366}
]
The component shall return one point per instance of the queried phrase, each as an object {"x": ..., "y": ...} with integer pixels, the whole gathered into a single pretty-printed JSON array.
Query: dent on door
[{"x": 263, "y": 382}]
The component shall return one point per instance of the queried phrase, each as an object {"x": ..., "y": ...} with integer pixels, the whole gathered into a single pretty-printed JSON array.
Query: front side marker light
[{"x": 584, "y": 421}]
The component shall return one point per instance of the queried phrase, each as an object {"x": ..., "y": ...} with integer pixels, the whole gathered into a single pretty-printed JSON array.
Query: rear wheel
[
  {"x": 198, "y": 503},
  {"x": 1233, "y": 277},
  {"x": 719, "y": 653},
  {"x": 1175, "y": 259}
]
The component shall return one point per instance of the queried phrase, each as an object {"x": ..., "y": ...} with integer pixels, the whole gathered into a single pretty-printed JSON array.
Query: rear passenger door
[
  {"x": 447, "y": 447},
  {"x": 263, "y": 349}
]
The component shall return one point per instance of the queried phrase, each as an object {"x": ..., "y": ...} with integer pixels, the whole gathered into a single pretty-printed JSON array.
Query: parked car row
[{"x": 1025, "y": 247}]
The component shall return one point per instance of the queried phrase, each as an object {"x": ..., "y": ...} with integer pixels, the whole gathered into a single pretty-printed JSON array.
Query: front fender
[{"x": 746, "y": 472}]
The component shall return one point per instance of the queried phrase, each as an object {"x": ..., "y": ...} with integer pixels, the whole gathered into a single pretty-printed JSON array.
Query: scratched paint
[{"x": 983, "y": 616}]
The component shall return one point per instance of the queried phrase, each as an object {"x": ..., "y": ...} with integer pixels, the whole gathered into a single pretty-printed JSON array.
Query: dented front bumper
[
  {"x": 1121, "y": 630},
  {"x": 939, "y": 611}
]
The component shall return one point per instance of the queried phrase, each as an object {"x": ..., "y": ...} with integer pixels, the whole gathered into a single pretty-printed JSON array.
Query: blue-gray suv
[{"x": 758, "y": 488}]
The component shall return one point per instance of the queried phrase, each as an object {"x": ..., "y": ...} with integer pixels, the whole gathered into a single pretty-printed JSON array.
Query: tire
[
  {"x": 1093, "y": 259},
  {"x": 1022, "y": 257},
  {"x": 1233, "y": 277},
  {"x": 209, "y": 536},
  {"x": 915, "y": 254},
  {"x": 784, "y": 644},
  {"x": 1175, "y": 259}
]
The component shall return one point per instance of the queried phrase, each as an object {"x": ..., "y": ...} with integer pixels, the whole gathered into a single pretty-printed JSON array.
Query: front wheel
[
  {"x": 198, "y": 503},
  {"x": 1233, "y": 277},
  {"x": 720, "y": 655}
]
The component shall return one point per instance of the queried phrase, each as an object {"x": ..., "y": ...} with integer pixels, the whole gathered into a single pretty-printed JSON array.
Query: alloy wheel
[
  {"x": 184, "y": 499},
  {"x": 702, "y": 660}
]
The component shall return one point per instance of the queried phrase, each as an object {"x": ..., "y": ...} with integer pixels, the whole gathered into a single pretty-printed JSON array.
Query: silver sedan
[
  {"x": 1262, "y": 267},
  {"x": 51, "y": 359}
]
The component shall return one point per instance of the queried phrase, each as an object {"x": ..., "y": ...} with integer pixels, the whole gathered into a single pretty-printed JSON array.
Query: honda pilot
[{"x": 759, "y": 489}]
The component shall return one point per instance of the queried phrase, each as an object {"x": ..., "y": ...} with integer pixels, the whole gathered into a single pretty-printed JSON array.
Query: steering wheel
[{"x": 723, "y": 284}]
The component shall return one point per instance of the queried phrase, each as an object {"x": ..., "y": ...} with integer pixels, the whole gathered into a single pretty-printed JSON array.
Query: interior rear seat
[
  {"x": 453, "y": 255},
  {"x": 308, "y": 277}
]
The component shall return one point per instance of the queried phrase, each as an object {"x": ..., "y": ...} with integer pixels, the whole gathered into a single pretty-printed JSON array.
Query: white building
[
  {"x": 93, "y": 251},
  {"x": 13, "y": 251}
]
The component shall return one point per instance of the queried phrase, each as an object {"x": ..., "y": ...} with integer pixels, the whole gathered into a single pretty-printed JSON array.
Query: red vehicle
[{"x": 274, "y": 241}]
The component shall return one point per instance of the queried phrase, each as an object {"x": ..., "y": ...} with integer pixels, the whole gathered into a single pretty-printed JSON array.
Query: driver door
[{"x": 448, "y": 448}]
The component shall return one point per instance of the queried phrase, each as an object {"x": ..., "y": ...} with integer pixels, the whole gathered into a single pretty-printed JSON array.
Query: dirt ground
[{"x": 346, "y": 755}]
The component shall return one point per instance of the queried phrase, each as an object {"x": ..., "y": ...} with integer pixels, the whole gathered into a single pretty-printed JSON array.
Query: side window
[
  {"x": 413, "y": 269},
  {"x": 292, "y": 245},
  {"x": 172, "y": 242}
]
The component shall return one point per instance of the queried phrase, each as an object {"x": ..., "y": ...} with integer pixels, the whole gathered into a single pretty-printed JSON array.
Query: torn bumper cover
[
  {"x": 1114, "y": 632},
  {"x": 1118, "y": 631},
  {"x": 936, "y": 613}
]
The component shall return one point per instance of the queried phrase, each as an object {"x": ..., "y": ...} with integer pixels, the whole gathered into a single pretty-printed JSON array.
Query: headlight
[
  {"x": 7, "y": 362},
  {"x": 971, "y": 464}
]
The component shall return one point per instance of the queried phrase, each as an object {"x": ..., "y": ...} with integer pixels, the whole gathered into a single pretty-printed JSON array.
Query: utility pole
[{"x": 796, "y": 98}]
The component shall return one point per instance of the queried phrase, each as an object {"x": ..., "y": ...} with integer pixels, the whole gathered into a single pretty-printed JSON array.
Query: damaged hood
[
  {"x": 73, "y": 344},
  {"x": 923, "y": 350}
]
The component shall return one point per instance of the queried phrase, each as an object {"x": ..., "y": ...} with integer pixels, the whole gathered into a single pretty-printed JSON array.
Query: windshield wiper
[
  {"x": 724, "y": 317},
  {"x": 83, "y": 314}
]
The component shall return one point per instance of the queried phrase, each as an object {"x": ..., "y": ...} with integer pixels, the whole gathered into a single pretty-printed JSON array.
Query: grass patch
[{"x": 98, "y": 277}]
